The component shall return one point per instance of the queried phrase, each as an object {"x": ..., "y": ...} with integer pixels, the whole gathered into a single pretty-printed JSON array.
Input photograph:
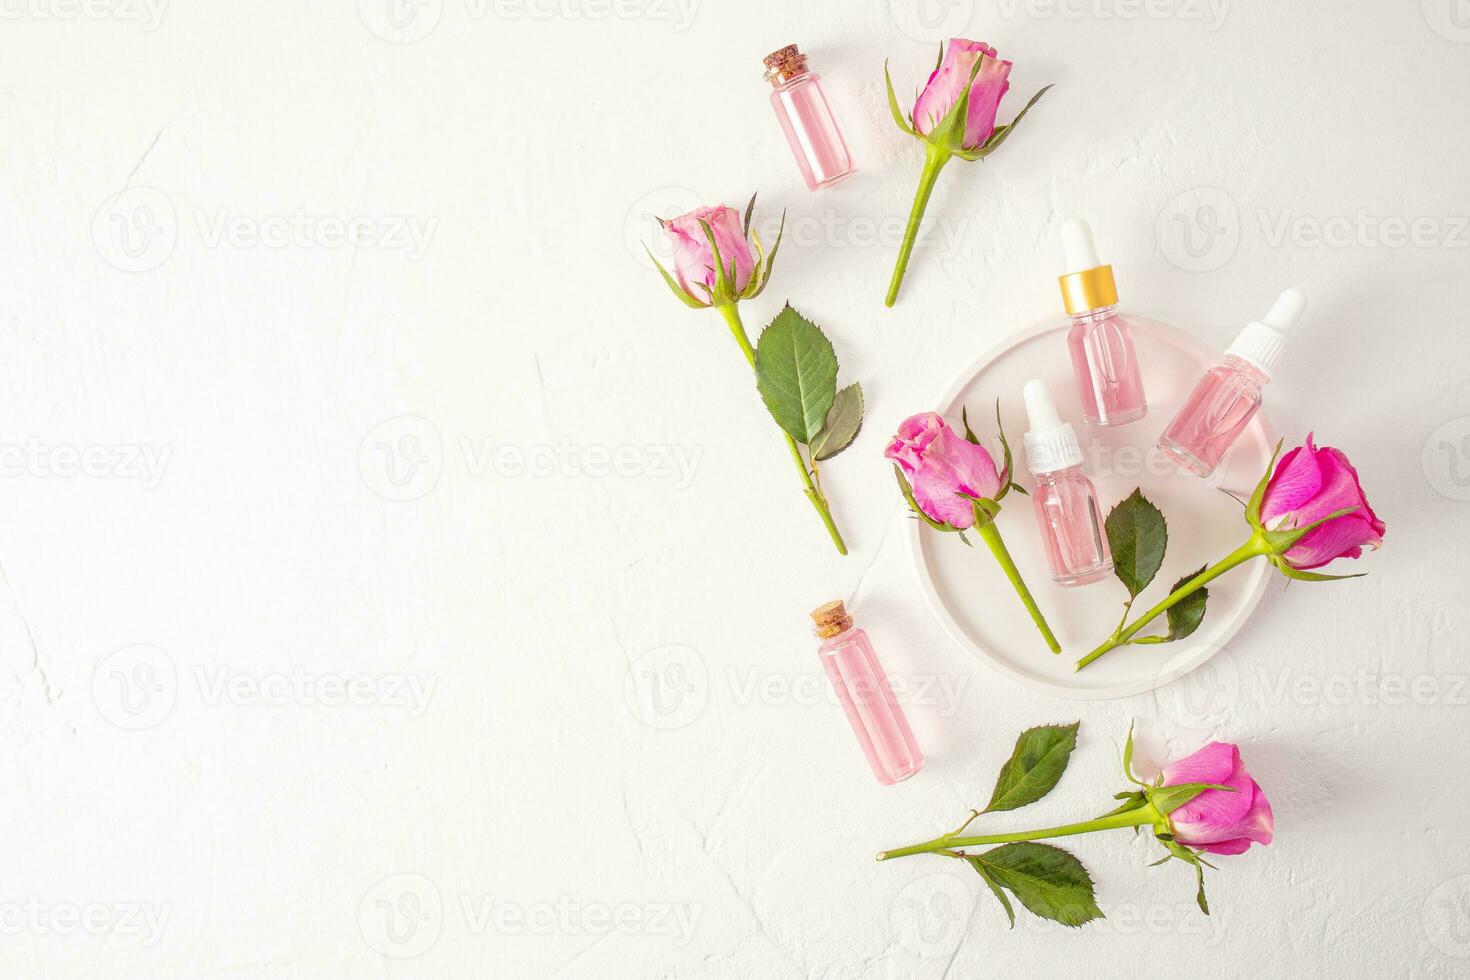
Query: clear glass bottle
[
  {"x": 1104, "y": 362},
  {"x": 1067, "y": 511},
  {"x": 1225, "y": 400},
  {"x": 807, "y": 120},
  {"x": 866, "y": 697}
]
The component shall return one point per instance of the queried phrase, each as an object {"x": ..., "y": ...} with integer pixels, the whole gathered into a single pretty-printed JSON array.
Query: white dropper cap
[
  {"x": 1051, "y": 444},
  {"x": 1262, "y": 341},
  {"x": 1078, "y": 246}
]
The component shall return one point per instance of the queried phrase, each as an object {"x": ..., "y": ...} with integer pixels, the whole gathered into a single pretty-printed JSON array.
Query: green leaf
[
  {"x": 893, "y": 105},
  {"x": 1131, "y": 801},
  {"x": 970, "y": 436},
  {"x": 749, "y": 208},
  {"x": 1048, "y": 880},
  {"x": 1035, "y": 766},
  {"x": 1186, "y": 614},
  {"x": 722, "y": 282},
  {"x": 1253, "y": 506},
  {"x": 994, "y": 889},
  {"x": 674, "y": 286},
  {"x": 844, "y": 421},
  {"x": 796, "y": 373},
  {"x": 1177, "y": 850},
  {"x": 771, "y": 258},
  {"x": 1167, "y": 799},
  {"x": 1285, "y": 568},
  {"x": 1128, "y": 755},
  {"x": 1138, "y": 536},
  {"x": 1002, "y": 132}
]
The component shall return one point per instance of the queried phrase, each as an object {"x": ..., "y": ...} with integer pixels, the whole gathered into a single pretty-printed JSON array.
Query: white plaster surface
[{"x": 618, "y": 761}]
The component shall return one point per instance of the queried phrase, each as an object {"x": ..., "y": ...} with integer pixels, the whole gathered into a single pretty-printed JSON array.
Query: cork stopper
[
  {"x": 784, "y": 65},
  {"x": 831, "y": 619}
]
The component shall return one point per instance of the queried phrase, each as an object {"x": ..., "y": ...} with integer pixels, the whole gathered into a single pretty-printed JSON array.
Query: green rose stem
[
  {"x": 934, "y": 160},
  {"x": 991, "y": 537},
  {"x": 1143, "y": 815},
  {"x": 1253, "y": 548},
  {"x": 732, "y": 317}
]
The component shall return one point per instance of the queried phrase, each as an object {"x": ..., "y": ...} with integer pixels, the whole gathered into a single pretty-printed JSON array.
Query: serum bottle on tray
[
  {"x": 1229, "y": 395},
  {"x": 1104, "y": 362},
  {"x": 1065, "y": 500}
]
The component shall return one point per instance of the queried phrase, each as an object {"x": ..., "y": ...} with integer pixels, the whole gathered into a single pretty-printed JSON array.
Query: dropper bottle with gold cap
[
  {"x": 863, "y": 690},
  {"x": 1104, "y": 362}
]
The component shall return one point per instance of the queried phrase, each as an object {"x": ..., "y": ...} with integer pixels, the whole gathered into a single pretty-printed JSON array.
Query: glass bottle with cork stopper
[
  {"x": 865, "y": 695},
  {"x": 807, "y": 120}
]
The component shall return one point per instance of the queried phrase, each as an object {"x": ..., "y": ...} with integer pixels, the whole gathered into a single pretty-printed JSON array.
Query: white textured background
[{"x": 247, "y": 464}]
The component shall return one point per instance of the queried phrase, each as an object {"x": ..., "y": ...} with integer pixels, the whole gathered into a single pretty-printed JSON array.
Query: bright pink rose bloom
[
  {"x": 1217, "y": 821},
  {"x": 948, "y": 82},
  {"x": 940, "y": 464},
  {"x": 1310, "y": 483},
  {"x": 694, "y": 264}
]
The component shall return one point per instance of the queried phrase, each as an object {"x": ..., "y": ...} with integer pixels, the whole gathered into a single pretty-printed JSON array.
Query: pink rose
[
  {"x": 1310, "y": 483},
  {"x": 948, "y": 82},
  {"x": 694, "y": 264},
  {"x": 1215, "y": 820},
  {"x": 940, "y": 465}
]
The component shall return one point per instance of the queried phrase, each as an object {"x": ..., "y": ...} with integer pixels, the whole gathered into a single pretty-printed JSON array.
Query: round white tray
[{"x": 966, "y": 588}]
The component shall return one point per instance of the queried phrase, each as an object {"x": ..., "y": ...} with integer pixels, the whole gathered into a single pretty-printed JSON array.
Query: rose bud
[{"x": 1217, "y": 820}]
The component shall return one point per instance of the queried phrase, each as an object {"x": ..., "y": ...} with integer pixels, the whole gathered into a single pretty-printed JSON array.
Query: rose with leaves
[
  {"x": 1309, "y": 511},
  {"x": 1204, "y": 803},
  {"x": 952, "y": 484},
  {"x": 719, "y": 261},
  {"x": 955, "y": 117}
]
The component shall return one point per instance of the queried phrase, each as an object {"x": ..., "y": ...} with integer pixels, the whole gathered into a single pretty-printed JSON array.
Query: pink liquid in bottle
[
  {"x": 1067, "y": 511},
  {"x": 807, "y": 120},
  {"x": 1213, "y": 416},
  {"x": 866, "y": 697},
  {"x": 1104, "y": 362},
  {"x": 1225, "y": 400},
  {"x": 1106, "y": 368}
]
